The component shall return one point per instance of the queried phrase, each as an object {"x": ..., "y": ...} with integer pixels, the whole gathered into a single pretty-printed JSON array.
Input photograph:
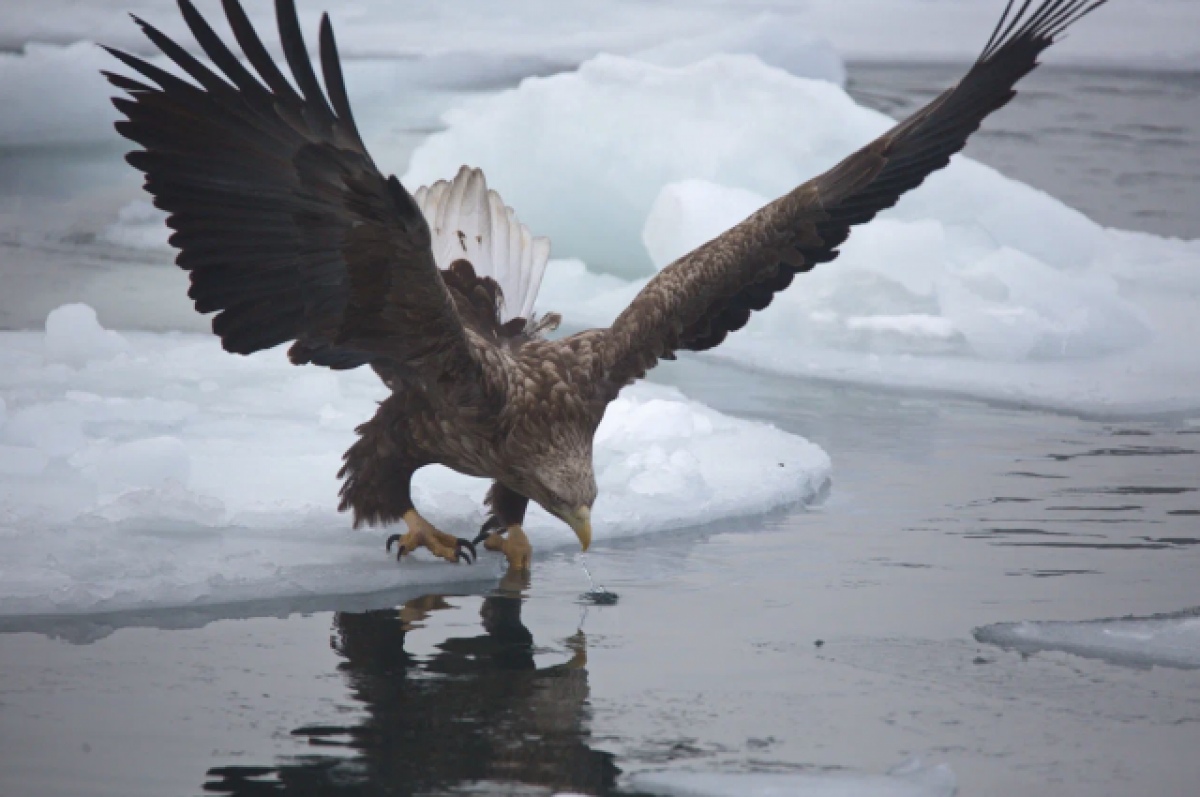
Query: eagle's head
[
  {"x": 570, "y": 500},
  {"x": 560, "y": 478}
]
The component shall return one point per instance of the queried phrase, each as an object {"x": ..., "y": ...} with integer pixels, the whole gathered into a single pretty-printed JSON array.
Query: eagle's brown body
[
  {"x": 292, "y": 234},
  {"x": 478, "y": 432}
]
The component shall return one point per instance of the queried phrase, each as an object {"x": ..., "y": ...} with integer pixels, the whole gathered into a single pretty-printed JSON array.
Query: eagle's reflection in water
[{"x": 478, "y": 717}]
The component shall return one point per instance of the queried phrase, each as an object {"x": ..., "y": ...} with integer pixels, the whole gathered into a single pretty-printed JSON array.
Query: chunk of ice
[
  {"x": 583, "y": 155},
  {"x": 912, "y": 779},
  {"x": 1164, "y": 640},
  {"x": 139, "y": 225},
  {"x": 177, "y": 474},
  {"x": 934, "y": 285},
  {"x": 692, "y": 212},
  {"x": 973, "y": 283},
  {"x": 74, "y": 337},
  {"x": 774, "y": 39}
]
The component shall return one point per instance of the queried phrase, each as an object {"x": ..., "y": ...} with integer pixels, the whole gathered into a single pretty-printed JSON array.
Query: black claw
[
  {"x": 466, "y": 550},
  {"x": 481, "y": 536},
  {"x": 388, "y": 546}
]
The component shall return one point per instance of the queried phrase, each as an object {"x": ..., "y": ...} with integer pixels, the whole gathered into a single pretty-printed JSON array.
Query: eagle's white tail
[{"x": 471, "y": 223}]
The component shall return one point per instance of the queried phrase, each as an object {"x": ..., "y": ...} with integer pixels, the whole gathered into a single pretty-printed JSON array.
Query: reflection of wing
[
  {"x": 287, "y": 227},
  {"x": 702, "y": 297}
]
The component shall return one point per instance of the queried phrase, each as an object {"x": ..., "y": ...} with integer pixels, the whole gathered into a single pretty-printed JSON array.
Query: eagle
[{"x": 291, "y": 234}]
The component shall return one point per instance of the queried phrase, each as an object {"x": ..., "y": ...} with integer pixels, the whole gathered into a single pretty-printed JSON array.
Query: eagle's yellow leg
[
  {"x": 423, "y": 534},
  {"x": 515, "y": 546}
]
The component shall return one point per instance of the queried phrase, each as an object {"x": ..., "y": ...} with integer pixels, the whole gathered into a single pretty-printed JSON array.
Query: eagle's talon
[
  {"x": 390, "y": 540},
  {"x": 466, "y": 550},
  {"x": 514, "y": 544},
  {"x": 399, "y": 553}
]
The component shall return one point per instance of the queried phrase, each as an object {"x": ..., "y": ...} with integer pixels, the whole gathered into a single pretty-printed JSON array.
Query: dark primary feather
[
  {"x": 694, "y": 303},
  {"x": 289, "y": 231}
]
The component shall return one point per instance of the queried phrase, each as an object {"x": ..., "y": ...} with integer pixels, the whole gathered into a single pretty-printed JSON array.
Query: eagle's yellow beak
[{"x": 580, "y": 520}]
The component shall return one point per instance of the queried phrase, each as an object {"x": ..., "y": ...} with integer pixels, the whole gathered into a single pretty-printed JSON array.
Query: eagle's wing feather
[
  {"x": 287, "y": 227},
  {"x": 694, "y": 303}
]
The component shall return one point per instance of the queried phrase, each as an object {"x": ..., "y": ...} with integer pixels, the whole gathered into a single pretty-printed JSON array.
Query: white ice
[
  {"x": 913, "y": 779},
  {"x": 772, "y": 38},
  {"x": 974, "y": 284},
  {"x": 143, "y": 469},
  {"x": 1170, "y": 641},
  {"x": 583, "y": 155}
]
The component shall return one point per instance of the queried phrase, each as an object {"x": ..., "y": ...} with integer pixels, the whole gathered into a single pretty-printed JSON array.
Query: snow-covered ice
[
  {"x": 1165, "y": 640},
  {"x": 583, "y": 155},
  {"x": 144, "y": 469},
  {"x": 912, "y": 779},
  {"x": 74, "y": 337},
  {"x": 974, "y": 283}
]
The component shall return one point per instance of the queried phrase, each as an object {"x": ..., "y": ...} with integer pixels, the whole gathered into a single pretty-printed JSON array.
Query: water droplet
[{"x": 596, "y": 595}]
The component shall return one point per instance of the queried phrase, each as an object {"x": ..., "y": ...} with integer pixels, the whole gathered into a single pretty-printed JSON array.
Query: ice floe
[
  {"x": 583, "y": 155},
  {"x": 772, "y": 38},
  {"x": 913, "y": 779},
  {"x": 1164, "y": 640},
  {"x": 974, "y": 283},
  {"x": 142, "y": 469},
  {"x": 1105, "y": 339}
]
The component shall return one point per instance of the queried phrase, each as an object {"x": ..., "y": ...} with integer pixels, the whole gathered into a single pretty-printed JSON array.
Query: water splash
[{"x": 596, "y": 595}]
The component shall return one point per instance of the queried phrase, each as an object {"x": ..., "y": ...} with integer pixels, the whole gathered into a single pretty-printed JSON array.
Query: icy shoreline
[{"x": 148, "y": 470}]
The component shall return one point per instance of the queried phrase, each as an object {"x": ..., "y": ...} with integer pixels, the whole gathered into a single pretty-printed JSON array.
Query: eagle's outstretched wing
[
  {"x": 283, "y": 220},
  {"x": 696, "y": 301}
]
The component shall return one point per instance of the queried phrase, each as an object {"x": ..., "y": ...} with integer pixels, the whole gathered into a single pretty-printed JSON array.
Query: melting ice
[
  {"x": 912, "y": 779},
  {"x": 143, "y": 469},
  {"x": 1167, "y": 640}
]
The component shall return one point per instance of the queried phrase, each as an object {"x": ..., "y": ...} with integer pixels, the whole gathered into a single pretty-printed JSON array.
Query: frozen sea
[{"x": 976, "y": 574}]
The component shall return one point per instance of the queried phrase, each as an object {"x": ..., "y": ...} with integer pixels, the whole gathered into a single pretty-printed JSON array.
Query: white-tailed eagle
[{"x": 290, "y": 233}]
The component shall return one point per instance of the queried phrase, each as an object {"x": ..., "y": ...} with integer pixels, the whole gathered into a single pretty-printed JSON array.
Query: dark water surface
[
  {"x": 835, "y": 637},
  {"x": 1121, "y": 146}
]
